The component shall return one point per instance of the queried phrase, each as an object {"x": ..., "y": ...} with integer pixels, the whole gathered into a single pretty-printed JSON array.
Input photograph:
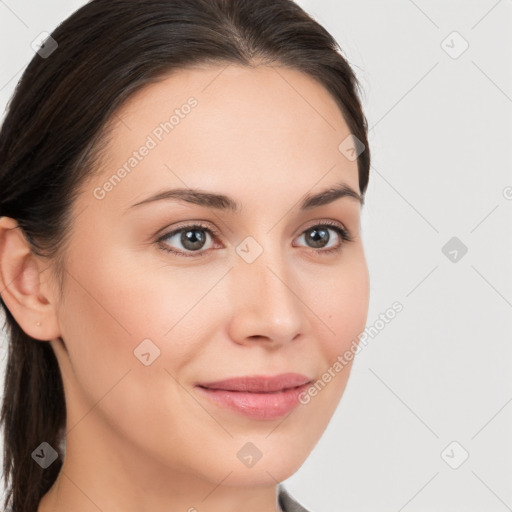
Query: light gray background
[{"x": 441, "y": 145}]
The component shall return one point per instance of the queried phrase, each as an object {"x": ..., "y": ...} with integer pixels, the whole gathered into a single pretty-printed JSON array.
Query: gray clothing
[{"x": 287, "y": 503}]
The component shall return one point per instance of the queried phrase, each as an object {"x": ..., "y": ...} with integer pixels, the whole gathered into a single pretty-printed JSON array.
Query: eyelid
[
  {"x": 164, "y": 233},
  {"x": 323, "y": 222},
  {"x": 337, "y": 226}
]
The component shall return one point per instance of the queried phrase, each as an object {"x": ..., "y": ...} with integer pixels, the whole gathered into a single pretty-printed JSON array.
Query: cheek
[
  {"x": 343, "y": 300},
  {"x": 343, "y": 303},
  {"x": 114, "y": 307},
  {"x": 108, "y": 311},
  {"x": 131, "y": 297}
]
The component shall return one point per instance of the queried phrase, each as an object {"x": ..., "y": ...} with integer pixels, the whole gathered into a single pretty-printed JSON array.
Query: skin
[{"x": 141, "y": 437}]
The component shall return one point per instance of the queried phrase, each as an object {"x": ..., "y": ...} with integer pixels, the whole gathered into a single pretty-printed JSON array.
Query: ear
[{"x": 27, "y": 296}]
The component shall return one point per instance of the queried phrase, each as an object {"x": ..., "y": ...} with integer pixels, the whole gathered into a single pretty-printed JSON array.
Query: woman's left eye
[
  {"x": 319, "y": 235},
  {"x": 192, "y": 238}
]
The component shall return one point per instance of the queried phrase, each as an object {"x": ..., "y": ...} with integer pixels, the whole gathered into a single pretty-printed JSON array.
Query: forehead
[{"x": 229, "y": 126}]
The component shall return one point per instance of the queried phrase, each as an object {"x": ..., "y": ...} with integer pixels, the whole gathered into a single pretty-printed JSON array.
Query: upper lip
[{"x": 259, "y": 383}]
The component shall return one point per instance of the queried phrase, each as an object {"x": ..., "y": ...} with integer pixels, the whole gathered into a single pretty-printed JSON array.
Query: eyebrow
[{"x": 223, "y": 202}]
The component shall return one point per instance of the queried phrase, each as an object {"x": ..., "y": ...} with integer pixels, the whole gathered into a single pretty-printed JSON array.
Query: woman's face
[{"x": 252, "y": 292}]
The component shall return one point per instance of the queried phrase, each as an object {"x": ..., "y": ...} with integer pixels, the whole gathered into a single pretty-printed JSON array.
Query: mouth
[{"x": 259, "y": 397}]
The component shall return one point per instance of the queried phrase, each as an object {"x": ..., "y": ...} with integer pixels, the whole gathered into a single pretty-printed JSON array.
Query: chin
[
  {"x": 262, "y": 475},
  {"x": 259, "y": 462}
]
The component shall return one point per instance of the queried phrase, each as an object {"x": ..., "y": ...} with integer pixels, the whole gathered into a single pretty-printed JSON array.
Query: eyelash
[{"x": 342, "y": 232}]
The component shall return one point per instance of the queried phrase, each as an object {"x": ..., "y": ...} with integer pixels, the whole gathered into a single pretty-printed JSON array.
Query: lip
[
  {"x": 259, "y": 397},
  {"x": 259, "y": 383}
]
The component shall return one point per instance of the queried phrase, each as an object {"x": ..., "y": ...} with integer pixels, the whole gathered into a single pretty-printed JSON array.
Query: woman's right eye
[{"x": 192, "y": 238}]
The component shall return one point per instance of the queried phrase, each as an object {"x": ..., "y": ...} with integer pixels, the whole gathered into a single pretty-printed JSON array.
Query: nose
[{"x": 268, "y": 304}]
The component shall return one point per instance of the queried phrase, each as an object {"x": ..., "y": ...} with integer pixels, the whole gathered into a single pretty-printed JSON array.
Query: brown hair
[{"x": 55, "y": 129}]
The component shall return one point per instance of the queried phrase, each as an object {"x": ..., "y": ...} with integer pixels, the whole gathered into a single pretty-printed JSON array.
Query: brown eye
[
  {"x": 193, "y": 239},
  {"x": 190, "y": 239},
  {"x": 319, "y": 236}
]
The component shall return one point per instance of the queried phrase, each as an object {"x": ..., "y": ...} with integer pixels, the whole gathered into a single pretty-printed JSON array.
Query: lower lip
[{"x": 263, "y": 406}]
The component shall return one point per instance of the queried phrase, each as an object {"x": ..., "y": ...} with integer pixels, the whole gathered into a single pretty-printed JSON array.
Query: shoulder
[{"x": 287, "y": 503}]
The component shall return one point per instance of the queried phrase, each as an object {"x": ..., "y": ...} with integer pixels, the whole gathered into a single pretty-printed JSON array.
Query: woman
[{"x": 181, "y": 262}]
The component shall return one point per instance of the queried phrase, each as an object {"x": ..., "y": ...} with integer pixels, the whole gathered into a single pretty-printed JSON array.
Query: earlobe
[{"x": 21, "y": 286}]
